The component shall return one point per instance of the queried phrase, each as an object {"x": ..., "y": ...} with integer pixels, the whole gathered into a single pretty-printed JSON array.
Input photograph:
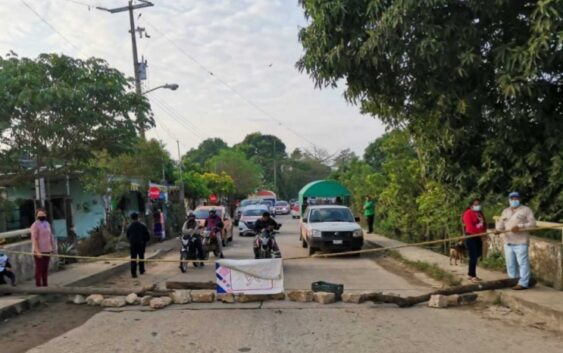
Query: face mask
[
  {"x": 514, "y": 203},
  {"x": 476, "y": 208},
  {"x": 42, "y": 218}
]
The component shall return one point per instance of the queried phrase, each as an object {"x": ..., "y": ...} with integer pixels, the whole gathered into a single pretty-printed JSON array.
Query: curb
[
  {"x": 518, "y": 303},
  {"x": 31, "y": 301}
]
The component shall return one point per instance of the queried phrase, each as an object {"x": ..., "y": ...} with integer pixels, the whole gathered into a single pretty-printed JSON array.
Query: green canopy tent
[{"x": 323, "y": 189}]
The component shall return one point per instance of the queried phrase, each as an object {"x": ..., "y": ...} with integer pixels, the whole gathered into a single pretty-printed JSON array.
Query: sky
[{"x": 234, "y": 62}]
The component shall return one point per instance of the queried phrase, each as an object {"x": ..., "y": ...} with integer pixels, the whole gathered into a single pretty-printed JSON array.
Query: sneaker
[{"x": 519, "y": 287}]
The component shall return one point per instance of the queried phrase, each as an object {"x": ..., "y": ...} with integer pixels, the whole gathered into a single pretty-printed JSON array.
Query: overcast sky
[{"x": 248, "y": 45}]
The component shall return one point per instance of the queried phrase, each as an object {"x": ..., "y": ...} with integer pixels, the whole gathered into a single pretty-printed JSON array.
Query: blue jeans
[{"x": 517, "y": 262}]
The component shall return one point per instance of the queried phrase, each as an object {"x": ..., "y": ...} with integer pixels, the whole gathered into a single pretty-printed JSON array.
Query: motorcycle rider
[
  {"x": 215, "y": 224},
  {"x": 265, "y": 223},
  {"x": 191, "y": 227}
]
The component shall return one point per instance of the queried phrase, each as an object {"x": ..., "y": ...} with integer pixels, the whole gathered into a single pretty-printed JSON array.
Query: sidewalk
[
  {"x": 80, "y": 275},
  {"x": 543, "y": 300}
]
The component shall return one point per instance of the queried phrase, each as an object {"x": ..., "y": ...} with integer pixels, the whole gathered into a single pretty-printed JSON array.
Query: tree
[
  {"x": 59, "y": 111},
  {"x": 264, "y": 150},
  {"x": 477, "y": 84},
  {"x": 195, "y": 186},
  {"x": 344, "y": 158},
  {"x": 245, "y": 174},
  {"x": 298, "y": 171},
  {"x": 221, "y": 184},
  {"x": 196, "y": 158}
]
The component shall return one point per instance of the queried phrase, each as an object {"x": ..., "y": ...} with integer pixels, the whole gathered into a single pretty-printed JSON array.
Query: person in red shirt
[{"x": 475, "y": 223}]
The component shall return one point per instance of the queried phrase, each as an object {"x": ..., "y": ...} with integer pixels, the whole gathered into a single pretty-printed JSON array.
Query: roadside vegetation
[{"x": 431, "y": 270}]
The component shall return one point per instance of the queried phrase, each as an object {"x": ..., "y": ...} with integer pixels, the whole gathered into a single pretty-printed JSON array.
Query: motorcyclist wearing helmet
[
  {"x": 191, "y": 228},
  {"x": 215, "y": 224},
  {"x": 265, "y": 223}
]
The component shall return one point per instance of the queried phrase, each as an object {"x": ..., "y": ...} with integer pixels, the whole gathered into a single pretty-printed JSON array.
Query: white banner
[{"x": 249, "y": 276}]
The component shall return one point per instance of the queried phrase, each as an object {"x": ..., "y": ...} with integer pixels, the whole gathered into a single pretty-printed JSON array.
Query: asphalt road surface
[{"x": 284, "y": 326}]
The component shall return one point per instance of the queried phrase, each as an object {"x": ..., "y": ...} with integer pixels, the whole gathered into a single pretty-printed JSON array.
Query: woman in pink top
[{"x": 43, "y": 245}]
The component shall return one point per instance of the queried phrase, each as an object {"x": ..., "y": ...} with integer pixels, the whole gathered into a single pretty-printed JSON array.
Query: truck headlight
[
  {"x": 358, "y": 233},
  {"x": 317, "y": 234}
]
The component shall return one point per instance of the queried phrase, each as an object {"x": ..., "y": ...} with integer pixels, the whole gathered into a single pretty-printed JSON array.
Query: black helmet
[
  {"x": 212, "y": 211},
  {"x": 266, "y": 214}
]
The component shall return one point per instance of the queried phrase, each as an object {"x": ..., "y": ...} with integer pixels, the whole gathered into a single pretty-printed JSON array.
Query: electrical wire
[
  {"x": 50, "y": 25},
  {"x": 177, "y": 118},
  {"x": 229, "y": 86}
]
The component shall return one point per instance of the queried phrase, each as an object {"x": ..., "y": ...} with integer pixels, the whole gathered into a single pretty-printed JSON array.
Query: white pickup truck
[{"x": 330, "y": 227}]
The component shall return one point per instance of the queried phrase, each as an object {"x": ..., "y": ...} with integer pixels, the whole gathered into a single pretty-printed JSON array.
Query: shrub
[{"x": 95, "y": 244}]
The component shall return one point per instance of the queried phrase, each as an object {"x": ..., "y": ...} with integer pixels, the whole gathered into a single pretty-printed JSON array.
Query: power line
[
  {"x": 228, "y": 86},
  {"x": 50, "y": 25},
  {"x": 174, "y": 115}
]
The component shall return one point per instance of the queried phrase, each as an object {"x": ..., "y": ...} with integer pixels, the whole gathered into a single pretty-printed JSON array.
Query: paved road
[{"x": 292, "y": 327}]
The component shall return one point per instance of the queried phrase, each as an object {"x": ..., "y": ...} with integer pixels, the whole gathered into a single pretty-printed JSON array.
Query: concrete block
[
  {"x": 159, "y": 303},
  {"x": 114, "y": 302},
  {"x": 324, "y": 297},
  {"x": 438, "y": 301},
  {"x": 95, "y": 299},
  {"x": 226, "y": 298},
  {"x": 468, "y": 298},
  {"x": 349, "y": 297},
  {"x": 181, "y": 296},
  {"x": 132, "y": 299},
  {"x": 303, "y": 296},
  {"x": 203, "y": 296},
  {"x": 77, "y": 299}
]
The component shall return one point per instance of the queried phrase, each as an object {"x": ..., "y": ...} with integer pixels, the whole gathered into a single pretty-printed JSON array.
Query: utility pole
[
  {"x": 136, "y": 65},
  {"x": 275, "y": 169},
  {"x": 181, "y": 174}
]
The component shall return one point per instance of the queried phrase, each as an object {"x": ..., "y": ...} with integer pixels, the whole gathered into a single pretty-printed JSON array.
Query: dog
[{"x": 457, "y": 253}]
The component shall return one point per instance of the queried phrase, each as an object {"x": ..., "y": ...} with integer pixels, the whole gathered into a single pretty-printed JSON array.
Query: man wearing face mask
[{"x": 514, "y": 220}]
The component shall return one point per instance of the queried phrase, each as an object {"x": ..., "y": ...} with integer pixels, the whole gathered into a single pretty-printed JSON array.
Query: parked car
[
  {"x": 250, "y": 215},
  {"x": 202, "y": 212},
  {"x": 330, "y": 227},
  {"x": 281, "y": 207},
  {"x": 270, "y": 204},
  {"x": 241, "y": 206},
  {"x": 295, "y": 212}
]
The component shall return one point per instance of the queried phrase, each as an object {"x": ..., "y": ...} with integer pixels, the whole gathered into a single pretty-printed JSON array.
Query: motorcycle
[
  {"x": 265, "y": 244},
  {"x": 188, "y": 250},
  {"x": 210, "y": 239}
]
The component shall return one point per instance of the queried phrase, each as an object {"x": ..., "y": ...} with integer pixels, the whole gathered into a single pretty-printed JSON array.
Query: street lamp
[{"x": 170, "y": 86}]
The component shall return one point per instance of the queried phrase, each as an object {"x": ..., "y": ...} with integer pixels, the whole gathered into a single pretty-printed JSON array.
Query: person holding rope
[
  {"x": 43, "y": 244},
  {"x": 475, "y": 223},
  {"x": 138, "y": 236},
  {"x": 516, "y": 240}
]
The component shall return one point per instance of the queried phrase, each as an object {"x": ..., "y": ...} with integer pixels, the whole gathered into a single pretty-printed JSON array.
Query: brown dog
[{"x": 457, "y": 252}]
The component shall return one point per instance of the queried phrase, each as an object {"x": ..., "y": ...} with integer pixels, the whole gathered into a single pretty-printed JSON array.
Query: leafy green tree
[
  {"x": 195, "y": 186},
  {"x": 245, "y": 173},
  {"x": 344, "y": 158},
  {"x": 196, "y": 158},
  {"x": 59, "y": 111},
  {"x": 297, "y": 171},
  {"x": 219, "y": 183},
  {"x": 264, "y": 150},
  {"x": 476, "y": 83}
]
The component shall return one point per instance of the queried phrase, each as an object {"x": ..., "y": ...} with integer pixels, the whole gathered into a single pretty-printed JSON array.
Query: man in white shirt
[{"x": 515, "y": 220}]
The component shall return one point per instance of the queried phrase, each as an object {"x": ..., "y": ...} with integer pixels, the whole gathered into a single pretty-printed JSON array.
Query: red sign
[
  {"x": 154, "y": 192},
  {"x": 213, "y": 198}
]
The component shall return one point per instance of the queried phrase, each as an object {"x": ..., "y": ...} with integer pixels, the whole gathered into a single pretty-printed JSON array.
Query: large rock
[
  {"x": 438, "y": 301},
  {"x": 132, "y": 299},
  {"x": 146, "y": 300},
  {"x": 467, "y": 298},
  {"x": 77, "y": 299},
  {"x": 226, "y": 298},
  {"x": 277, "y": 296},
  {"x": 350, "y": 297},
  {"x": 324, "y": 297},
  {"x": 181, "y": 296},
  {"x": 203, "y": 296},
  {"x": 159, "y": 303},
  {"x": 95, "y": 299},
  {"x": 115, "y": 302},
  {"x": 302, "y": 296}
]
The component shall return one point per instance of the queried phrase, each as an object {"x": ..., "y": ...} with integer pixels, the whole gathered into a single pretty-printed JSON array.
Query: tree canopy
[
  {"x": 59, "y": 111},
  {"x": 476, "y": 84}
]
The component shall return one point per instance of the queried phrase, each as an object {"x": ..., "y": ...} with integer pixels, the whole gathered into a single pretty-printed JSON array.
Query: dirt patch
[{"x": 48, "y": 320}]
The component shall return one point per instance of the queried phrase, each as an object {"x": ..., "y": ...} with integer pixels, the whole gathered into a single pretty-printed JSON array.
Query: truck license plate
[{"x": 337, "y": 242}]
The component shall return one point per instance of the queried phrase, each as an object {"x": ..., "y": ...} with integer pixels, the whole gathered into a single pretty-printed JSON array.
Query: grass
[
  {"x": 494, "y": 261},
  {"x": 432, "y": 270}
]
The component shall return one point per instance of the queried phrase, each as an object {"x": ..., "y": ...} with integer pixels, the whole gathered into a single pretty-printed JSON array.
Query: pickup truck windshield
[{"x": 331, "y": 215}]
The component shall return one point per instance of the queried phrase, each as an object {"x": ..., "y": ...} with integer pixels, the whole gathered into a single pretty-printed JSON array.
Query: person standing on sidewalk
[
  {"x": 369, "y": 213},
  {"x": 514, "y": 220},
  {"x": 138, "y": 236},
  {"x": 475, "y": 223},
  {"x": 43, "y": 244}
]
